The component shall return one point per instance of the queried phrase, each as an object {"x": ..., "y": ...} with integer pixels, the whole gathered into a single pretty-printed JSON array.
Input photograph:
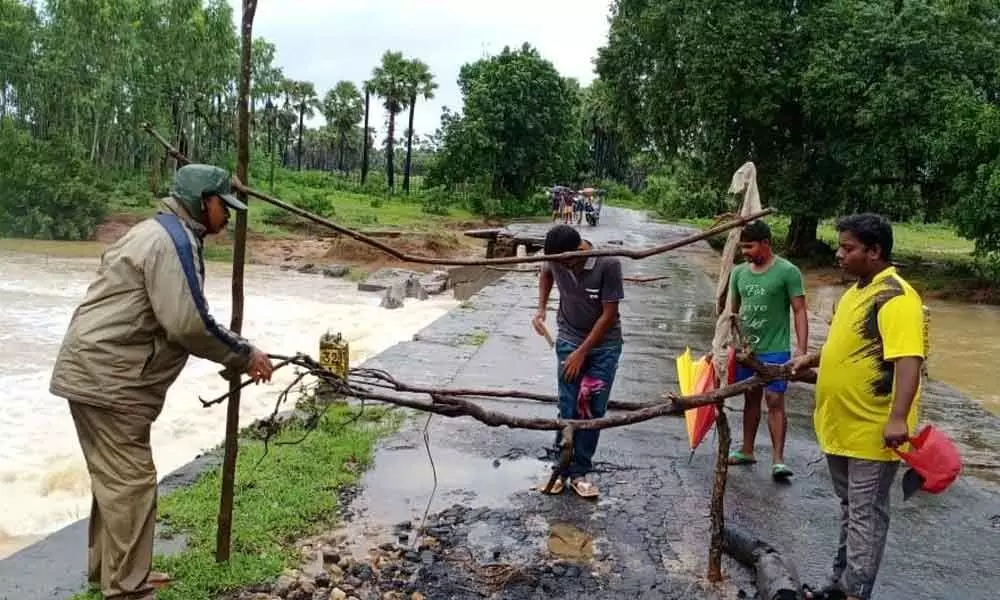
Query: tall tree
[
  {"x": 343, "y": 108},
  {"x": 391, "y": 81},
  {"x": 840, "y": 103},
  {"x": 305, "y": 101},
  {"x": 366, "y": 135},
  {"x": 517, "y": 129},
  {"x": 601, "y": 125},
  {"x": 420, "y": 83}
]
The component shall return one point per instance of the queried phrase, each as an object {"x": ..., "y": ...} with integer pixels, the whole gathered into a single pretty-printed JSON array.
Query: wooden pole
[
  {"x": 719, "y": 497},
  {"x": 223, "y": 536}
]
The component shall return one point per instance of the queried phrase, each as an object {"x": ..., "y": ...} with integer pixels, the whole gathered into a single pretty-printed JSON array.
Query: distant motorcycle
[
  {"x": 592, "y": 207},
  {"x": 592, "y": 214}
]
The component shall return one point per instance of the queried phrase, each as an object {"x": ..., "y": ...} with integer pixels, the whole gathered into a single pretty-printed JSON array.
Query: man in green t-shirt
[{"x": 764, "y": 289}]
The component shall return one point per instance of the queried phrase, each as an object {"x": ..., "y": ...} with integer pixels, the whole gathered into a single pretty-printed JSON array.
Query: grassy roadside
[
  {"x": 290, "y": 494},
  {"x": 351, "y": 209}
]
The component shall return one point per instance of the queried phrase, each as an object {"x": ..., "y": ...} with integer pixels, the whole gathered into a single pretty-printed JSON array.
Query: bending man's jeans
[{"x": 602, "y": 364}]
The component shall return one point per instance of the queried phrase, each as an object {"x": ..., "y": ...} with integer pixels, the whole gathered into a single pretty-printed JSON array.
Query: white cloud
[{"x": 324, "y": 41}]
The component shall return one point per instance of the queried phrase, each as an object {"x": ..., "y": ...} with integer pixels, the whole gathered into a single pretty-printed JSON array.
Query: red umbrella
[{"x": 700, "y": 420}]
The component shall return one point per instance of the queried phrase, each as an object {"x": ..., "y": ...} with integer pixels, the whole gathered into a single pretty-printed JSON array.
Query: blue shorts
[{"x": 768, "y": 358}]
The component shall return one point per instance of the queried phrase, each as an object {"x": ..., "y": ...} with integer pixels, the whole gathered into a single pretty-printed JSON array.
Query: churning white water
[{"x": 43, "y": 480}]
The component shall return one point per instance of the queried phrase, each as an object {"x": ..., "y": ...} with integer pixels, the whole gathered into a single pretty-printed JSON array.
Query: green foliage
[
  {"x": 678, "y": 192},
  {"x": 436, "y": 201},
  {"x": 517, "y": 130},
  {"x": 398, "y": 81},
  {"x": 290, "y": 493},
  {"x": 843, "y": 106},
  {"x": 45, "y": 192},
  {"x": 343, "y": 107},
  {"x": 618, "y": 193}
]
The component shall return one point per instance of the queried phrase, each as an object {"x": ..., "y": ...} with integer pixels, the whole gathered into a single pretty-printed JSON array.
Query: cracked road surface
[{"x": 647, "y": 536}]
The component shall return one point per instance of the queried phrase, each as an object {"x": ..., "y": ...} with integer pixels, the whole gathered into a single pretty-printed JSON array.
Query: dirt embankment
[{"x": 307, "y": 243}]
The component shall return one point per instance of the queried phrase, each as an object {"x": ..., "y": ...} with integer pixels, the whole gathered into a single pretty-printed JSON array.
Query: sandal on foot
[
  {"x": 583, "y": 488},
  {"x": 780, "y": 471},
  {"x": 737, "y": 457},
  {"x": 557, "y": 487}
]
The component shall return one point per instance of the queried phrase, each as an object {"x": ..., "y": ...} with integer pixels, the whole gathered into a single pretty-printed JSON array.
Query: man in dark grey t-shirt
[{"x": 588, "y": 344}]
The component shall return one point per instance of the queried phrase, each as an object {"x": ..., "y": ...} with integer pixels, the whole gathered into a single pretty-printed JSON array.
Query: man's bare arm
[
  {"x": 907, "y": 382},
  {"x": 801, "y": 316},
  {"x": 609, "y": 313},
  {"x": 545, "y": 280}
]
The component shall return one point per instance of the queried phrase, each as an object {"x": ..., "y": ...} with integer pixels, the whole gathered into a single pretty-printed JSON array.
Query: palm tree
[
  {"x": 390, "y": 81},
  {"x": 302, "y": 96},
  {"x": 342, "y": 107},
  {"x": 420, "y": 82},
  {"x": 365, "y": 134}
]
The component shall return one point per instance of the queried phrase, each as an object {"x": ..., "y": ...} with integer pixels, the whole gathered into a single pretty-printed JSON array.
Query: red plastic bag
[{"x": 935, "y": 458}]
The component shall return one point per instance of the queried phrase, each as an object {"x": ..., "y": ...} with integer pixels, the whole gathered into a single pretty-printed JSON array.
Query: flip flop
[
  {"x": 557, "y": 487},
  {"x": 584, "y": 488},
  {"x": 780, "y": 471},
  {"x": 737, "y": 457}
]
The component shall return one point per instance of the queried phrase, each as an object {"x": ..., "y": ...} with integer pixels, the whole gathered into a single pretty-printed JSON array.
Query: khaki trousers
[{"x": 119, "y": 458}]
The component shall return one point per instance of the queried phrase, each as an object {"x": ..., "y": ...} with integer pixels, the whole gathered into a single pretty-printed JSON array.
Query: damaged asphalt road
[{"x": 647, "y": 536}]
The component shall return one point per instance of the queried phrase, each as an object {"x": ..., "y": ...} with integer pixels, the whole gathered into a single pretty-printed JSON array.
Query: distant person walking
[
  {"x": 127, "y": 342},
  {"x": 765, "y": 289},
  {"x": 867, "y": 396}
]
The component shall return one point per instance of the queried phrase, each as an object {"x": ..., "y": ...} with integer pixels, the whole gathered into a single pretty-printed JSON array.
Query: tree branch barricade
[{"x": 380, "y": 386}]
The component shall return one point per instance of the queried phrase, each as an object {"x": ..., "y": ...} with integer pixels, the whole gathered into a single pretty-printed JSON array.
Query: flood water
[
  {"x": 43, "y": 481},
  {"x": 964, "y": 340}
]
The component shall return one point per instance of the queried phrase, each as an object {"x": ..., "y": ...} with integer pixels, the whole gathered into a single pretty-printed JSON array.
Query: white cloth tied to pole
[{"x": 744, "y": 181}]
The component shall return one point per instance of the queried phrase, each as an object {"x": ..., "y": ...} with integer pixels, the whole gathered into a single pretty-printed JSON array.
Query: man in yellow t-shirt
[{"x": 867, "y": 395}]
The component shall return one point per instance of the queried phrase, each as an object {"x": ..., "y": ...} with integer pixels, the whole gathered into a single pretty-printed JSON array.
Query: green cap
[{"x": 193, "y": 182}]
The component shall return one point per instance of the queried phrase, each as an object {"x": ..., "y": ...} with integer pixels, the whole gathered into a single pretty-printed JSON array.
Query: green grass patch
[
  {"x": 935, "y": 258},
  {"x": 218, "y": 253},
  {"x": 477, "y": 338},
  {"x": 926, "y": 240},
  {"x": 629, "y": 200},
  {"x": 290, "y": 494},
  {"x": 355, "y": 210},
  {"x": 345, "y": 202}
]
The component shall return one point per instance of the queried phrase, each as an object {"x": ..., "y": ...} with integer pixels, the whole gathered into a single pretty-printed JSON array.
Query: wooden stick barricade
[{"x": 372, "y": 384}]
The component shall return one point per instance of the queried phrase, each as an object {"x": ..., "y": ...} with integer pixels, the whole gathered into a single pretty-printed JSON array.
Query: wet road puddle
[
  {"x": 569, "y": 542},
  {"x": 399, "y": 488}
]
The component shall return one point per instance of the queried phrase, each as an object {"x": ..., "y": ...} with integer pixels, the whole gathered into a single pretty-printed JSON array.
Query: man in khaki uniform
[{"x": 126, "y": 344}]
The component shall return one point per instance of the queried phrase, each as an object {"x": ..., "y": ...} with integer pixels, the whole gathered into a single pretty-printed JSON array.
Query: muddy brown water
[
  {"x": 570, "y": 542},
  {"x": 43, "y": 481},
  {"x": 963, "y": 344}
]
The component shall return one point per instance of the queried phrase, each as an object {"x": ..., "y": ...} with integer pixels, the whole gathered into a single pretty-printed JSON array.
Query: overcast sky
[{"x": 324, "y": 41}]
